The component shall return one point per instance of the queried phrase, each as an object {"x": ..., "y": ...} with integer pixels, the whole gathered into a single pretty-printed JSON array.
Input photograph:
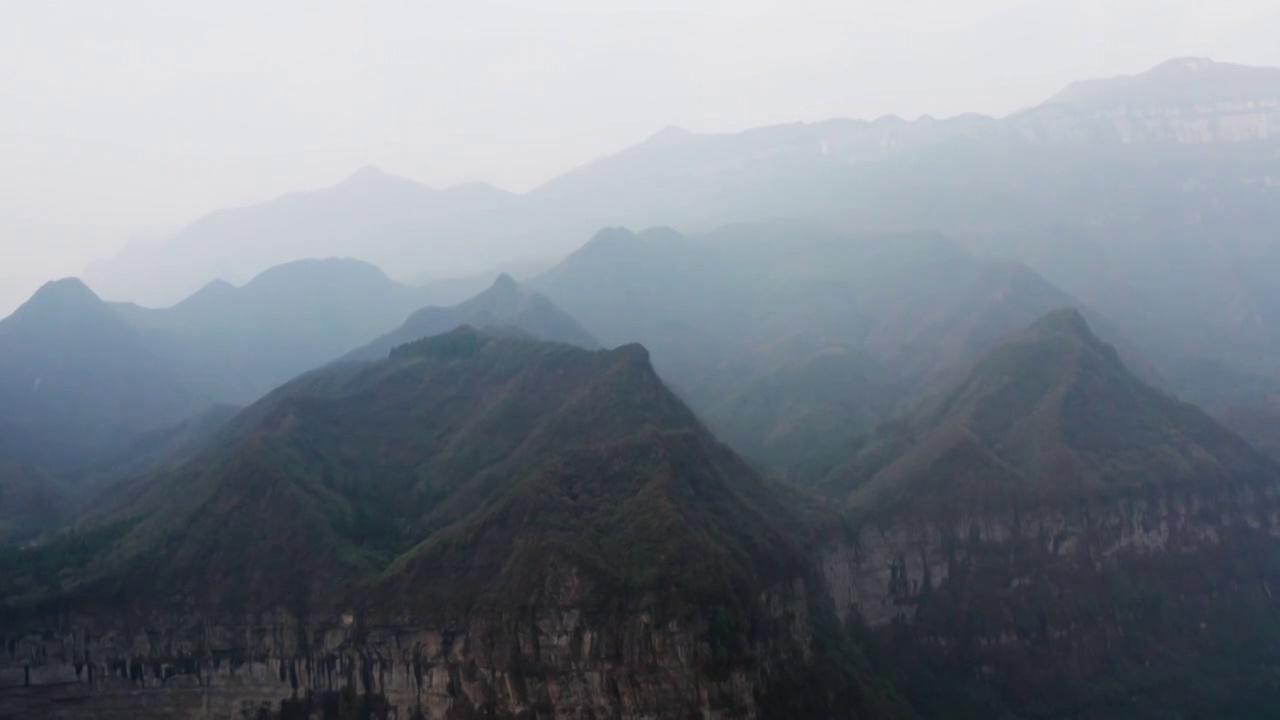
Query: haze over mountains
[
  {"x": 851, "y": 173},
  {"x": 1108, "y": 190},
  {"x": 504, "y": 306},
  {"x": 942, "y": 418},
  {"x": 790, "y": 338}
]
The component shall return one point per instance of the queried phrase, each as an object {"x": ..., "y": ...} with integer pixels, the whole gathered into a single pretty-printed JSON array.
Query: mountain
[
  {"x": 75, "y": 377},
  {"x": 472, "y": 526},
  {"x": 1098, "y": 547},
  {"x": 1150, "y": 199},
  {"x": 1054, "y": 411},
  {"x": 238, "y": 343},
  {"x": 504, "y": 305},
  {"x": 1099, "y": 152},
  {"x": 1179, "y": 83},
  {"x": 384, "y": 219},
  {"x": 790, "y": 338},
  {"x": 1190, "y": 280}
]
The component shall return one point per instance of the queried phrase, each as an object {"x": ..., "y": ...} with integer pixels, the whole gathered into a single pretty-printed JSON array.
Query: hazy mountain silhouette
[
  {"x": 237, "y": 343},
  {"x": 747, "y": 319},
  {"x": 1177, "y": 83},
  {"x": 78, "y": 379},
  {"x": 386, "y": 220},
  {"x": 504, "y": 305},
  {"x": 1064, "y": 161}
]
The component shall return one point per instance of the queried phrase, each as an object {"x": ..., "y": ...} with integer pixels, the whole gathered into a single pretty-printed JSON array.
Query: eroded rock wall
[
  {"x": 546, "y": 662},
  {"x": 1078, "y": 613}
]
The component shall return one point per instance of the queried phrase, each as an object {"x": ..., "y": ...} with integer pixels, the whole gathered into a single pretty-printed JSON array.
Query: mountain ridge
[
  {"x": 1053, "y": 410},
  {"x": 505, "y": 304},
  {"x": 559, "y": 492},
  {"x": 73, "y": 371},
  {"x": 695, "y": 182}
]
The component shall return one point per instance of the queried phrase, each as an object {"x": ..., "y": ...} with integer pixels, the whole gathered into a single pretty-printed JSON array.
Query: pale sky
[{"x": 139, "y": 115}]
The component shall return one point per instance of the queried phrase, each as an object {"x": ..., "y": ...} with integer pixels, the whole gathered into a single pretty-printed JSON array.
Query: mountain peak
[
  {"x": 370, "y": 174},
  {"x": 330, "y": 269},
  {"x": 1048, "y": 415},
  {"x": 504, "y": 310},
  {"x": 505, "y": 284},
  {"x": 60, "y": 296},
  {"x": 68, "y": 287},
  {"x": 669, "y": 135},
  {"x": 608, "y": 240}
]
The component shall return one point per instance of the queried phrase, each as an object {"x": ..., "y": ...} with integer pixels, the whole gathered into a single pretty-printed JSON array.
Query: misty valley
[{"x": 944, "y": 418}]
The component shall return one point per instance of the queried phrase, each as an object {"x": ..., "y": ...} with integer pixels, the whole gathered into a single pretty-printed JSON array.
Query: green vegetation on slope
[
  {"x": 355, "y": 474},
  {"x": 1050, "y": 416},
  {"x": 469, "y": 476},
  {"x": 789, "y": 338}
]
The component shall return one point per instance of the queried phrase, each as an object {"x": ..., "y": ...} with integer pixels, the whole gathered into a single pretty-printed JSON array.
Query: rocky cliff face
[
  {"x": 1066, "y": 607},
  {"x": 559, "y": 662},
  {"x": 1073, "y": 611}
]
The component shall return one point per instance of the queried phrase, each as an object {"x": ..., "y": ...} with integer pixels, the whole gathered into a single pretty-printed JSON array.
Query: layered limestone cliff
[
  {"x": 1078, "y": 613},
  {"x": 552, "y": 662},
  {"x": 888, "y": 571}
]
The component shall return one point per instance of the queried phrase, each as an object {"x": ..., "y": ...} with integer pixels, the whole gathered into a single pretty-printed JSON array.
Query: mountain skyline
[{"x": 62, "y": 233}]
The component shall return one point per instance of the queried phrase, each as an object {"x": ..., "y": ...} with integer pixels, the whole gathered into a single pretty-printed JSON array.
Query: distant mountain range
[
  {"x": 79, "y": 379},
  {"x": 95, "y": 393},
  {"x": 789, "y": 338},
  {"x": 241, "y": 342},
  {"x": 1151, "y": 198},
  {"x": 891, "y": 173}
]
